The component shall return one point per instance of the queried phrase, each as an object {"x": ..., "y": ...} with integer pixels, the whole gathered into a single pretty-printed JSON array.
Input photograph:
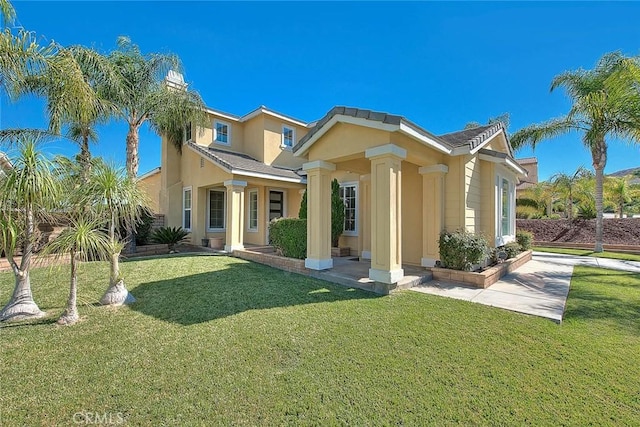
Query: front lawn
[
  {"x": 221, "y": 341},
  {"x": 588, "y": 252}
]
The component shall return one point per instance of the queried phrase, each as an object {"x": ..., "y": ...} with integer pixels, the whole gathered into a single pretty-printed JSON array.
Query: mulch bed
[{"x": 624, "y": 231}]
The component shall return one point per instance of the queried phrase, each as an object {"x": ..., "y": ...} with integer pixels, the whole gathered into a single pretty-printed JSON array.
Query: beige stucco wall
[
  {"x": 411, "y": 214},
  {"x": 151, "y": 186},
  {"x": 274, "y": 153},
  {"x": 344, "y": 141}
]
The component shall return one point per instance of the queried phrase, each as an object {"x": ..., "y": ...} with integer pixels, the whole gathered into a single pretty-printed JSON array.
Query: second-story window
[
  {"x": 187, "y": 132},
  {"x": 288, "y": 136},
  {"x": 221, "y": 133}
]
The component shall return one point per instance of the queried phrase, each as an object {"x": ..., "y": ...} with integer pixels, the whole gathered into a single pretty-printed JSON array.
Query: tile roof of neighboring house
[
  {"x": 150, "y": 173},
  {"x": 251, "y": 114},
  {"x": 527, "y": 160},
  {"x": 471, "y": 137},
  {"x": 241, "y": 164}
]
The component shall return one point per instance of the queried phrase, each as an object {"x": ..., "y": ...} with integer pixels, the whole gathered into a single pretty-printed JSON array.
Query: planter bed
[
  {"x": 482, "y": 279},
  {"x": 146, "y": 250}
]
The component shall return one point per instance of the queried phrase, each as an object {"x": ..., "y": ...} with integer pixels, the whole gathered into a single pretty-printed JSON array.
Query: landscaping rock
[{"x": 617, "y": 231}]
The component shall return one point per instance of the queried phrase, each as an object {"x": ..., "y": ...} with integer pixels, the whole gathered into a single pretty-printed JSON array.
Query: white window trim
[
  {"x": 215, "y": 132},
  {"x": 249, "y": 193},
  {"x": 293, "y": 138},
  {"x": 224, "y": 220},
  {"x": 184, "y": 190},
  {"x": 507, "y": 238},
  {"x": 357, "y": 207}
]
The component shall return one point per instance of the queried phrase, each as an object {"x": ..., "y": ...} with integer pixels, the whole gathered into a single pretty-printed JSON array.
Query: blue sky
[{"x": 440, "y": 65}]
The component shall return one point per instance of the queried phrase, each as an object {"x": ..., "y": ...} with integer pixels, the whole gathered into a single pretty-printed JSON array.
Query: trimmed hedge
[
  {"x": 289, "y": 236},
  {"x": 462, "y": 250}
]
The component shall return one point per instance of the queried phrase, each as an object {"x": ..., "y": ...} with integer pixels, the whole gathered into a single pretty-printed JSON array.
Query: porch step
[{"x": 410, "y": 281}]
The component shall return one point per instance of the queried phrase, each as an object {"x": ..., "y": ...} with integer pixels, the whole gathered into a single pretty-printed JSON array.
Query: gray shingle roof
[
  {"x": 472, "y": 137},
  {"x": 243, "y": 163}
]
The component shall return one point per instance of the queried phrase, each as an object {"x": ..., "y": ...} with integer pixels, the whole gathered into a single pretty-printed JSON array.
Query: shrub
[
  {"x": 461, "y": 250},
  {"x": 587, "y": 211},
  {"x": 169, "y": 235},
  {"x": 289, "y": 236},
  {"x": 302, "y": 214},
  {"x": 524, "y": 239},
  {"x": 512, "y": 249},
  {"x": 337, "y": 213},
  {"x": 143, "y": 229}
]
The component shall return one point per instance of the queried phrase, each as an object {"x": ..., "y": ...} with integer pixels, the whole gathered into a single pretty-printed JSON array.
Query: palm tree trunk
[
  {"x": 85, "y": 157},
  {"x": 70, "y": 315},
  {"x": 599, "y": 162},
  {"x": 133, "y": 142},
  {"x": 621, "y": 210},
  {"x": 21, "y": 305},
  {"x": 117, "y": 293}
]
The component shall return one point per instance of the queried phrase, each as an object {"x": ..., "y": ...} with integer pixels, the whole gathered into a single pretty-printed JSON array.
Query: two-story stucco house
[{"x": 402, "y": 185}]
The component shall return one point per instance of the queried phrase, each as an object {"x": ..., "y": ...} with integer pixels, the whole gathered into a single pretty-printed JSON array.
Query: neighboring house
[
  {"x": 402, "y": 185},
  {"x": 151, "y": 182},
  {"x": 530, "y": 164}
]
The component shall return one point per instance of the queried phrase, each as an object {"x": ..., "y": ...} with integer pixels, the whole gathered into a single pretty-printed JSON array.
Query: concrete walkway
[
  {"x": 612, "y": 264},
  {"x": 539, "y": 288}
]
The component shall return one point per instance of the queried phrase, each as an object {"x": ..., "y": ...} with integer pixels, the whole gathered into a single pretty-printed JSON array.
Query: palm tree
[
  {"x": 565, "y": 185},
  {"x": 138, "y": 90},
  {"x": 83, "y": 241},
  {"x": 598, "y": 112},
  {"x": 620, "y": 192},
  {"x": 29, "y": 191},
  {"x": 122, "y": 202},
  {"x": 543, "y": 194}
]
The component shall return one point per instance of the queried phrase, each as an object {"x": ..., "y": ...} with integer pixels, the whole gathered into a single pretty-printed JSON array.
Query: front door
[
  {"x": 276, "y": 204},
  {"x": 275, "y": 208}
]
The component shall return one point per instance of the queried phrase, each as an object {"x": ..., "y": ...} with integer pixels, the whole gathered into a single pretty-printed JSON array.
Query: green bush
[
  {"x": 524, "y": 239},
  {"x": 587, "y": 211},
  {"x": 461, "y": 250},
  {"x": 143, "y": 229},
  {"x": 289, "y": 236},
  {"x": 512, "y": 249},
  {"x": 337, "y": 213},
  {"x": 302, "y": 214},
  {"x": 169, "y": 235}
]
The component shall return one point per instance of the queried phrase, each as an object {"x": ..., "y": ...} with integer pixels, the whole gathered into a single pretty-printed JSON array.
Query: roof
[
  {"x": 242, "y": 164},
  {"x": 451, "y": 143},
  {"x": 500, "y": 157},
  {"x": 527, "y": 160},
  {"x": 253, "y": 113},
  {"x": 473, "y": 137},
  {"x": 150, "y": 173}
]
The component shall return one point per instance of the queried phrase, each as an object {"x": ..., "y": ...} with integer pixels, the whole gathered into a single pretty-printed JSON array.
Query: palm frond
[{"x": 532, "y": 135}]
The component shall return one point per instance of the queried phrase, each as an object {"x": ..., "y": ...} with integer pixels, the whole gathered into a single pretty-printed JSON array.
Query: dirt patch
[{"x": 624, "y": 231}]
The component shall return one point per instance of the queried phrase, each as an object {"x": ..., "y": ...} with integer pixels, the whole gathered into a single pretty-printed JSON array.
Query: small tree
[
  {"x": 337, "y": 213},
  {"x": 303, "y": 206},
  {"x": 29, "y": 192},
  {"x": 83, "y": 241},
  {"x": 120, "y": 199}
]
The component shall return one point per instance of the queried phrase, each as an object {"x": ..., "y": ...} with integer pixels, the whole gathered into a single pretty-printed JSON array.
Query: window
[
  {"x": 186, "y": 208},
  {"x": 505, "y": 219},
  {"x": 217, "y": 201},
  {"x": 349, "y": 195},
  {"x": 221, "y": 133},
  {"x": 253, "y": 210},
  {"x": 187, "y": 132},
  {"x": 288, "y": 136}
]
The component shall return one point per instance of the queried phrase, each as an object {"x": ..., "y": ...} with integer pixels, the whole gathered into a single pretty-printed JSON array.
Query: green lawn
[
  {"x": 588, "y": 252},
  {"x": 221, "y": 341}
]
